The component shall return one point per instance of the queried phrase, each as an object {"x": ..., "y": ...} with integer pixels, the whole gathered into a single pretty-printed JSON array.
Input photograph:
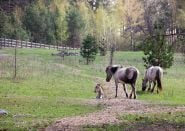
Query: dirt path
[{"x": 113, "y": 109}]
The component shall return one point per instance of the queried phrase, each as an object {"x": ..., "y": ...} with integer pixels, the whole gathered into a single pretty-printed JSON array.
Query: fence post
[
  {"x": 21, "y": 43},
  {"x": 4, "y": 41},
  {"x": 15, "y": 60},
  {"x": 7, "y": 43},
  {"x": 31, "y": 44},
  {"x": 11, "y": 43},
  {"x": 1, "y": 44}
]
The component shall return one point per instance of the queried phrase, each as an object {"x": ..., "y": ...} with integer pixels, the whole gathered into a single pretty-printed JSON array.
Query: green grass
[
  {"x": 34, "y": 112},
  {"x": 45, "y": 89},
  {"x": 48, "y": 87}
]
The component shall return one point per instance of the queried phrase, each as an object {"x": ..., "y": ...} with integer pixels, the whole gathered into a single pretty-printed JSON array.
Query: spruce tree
[
  {"x": 157, "y": 50},
  {"x": 89, "y": 48}
]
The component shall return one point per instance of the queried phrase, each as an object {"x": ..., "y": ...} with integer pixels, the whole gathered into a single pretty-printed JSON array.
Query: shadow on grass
[{"x": 141, "y": 92}]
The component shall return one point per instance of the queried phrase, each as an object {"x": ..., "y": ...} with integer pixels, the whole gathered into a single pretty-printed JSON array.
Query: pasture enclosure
[
  {"x": 27, "y": 44},
  {"x": 47, "y": 88}
]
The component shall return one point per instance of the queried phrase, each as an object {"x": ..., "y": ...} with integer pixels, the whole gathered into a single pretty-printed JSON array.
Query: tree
[
  {"x": 58, "y": 9},
  {"x": 180, "y": 47},
  {"x": 88, "y": 18},
  {"x": 89, "y": 48},
  {"x": 6, "y": 28},
  {"x": 102, "y": 47},
  {"x": 133, "y": 19},
  {"x": 39, "y": 22},
  {"x": 10, "y": 27},
  {"x": 19, "y": 29},
  {"x": 75, "y": 25},
  {"x": 156, "y": 49}
]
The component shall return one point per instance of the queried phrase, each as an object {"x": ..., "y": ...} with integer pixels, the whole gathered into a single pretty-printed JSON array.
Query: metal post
[{"x": 15, "y": 61}]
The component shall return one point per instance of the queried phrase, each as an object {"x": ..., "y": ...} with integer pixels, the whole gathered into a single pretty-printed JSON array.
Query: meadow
[{"x": 49, "y": 87}]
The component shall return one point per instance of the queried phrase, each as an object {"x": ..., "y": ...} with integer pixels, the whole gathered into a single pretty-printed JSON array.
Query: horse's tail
[{"x": 158, "y": 77}]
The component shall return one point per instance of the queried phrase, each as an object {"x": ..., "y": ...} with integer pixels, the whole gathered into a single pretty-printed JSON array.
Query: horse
[
  {"x": 99, "y": 90},
  {"x": 123, "y": 75},
  {"x": 152, "y": 75}
]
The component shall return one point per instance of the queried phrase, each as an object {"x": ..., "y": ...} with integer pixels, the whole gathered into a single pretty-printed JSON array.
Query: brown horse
[{"x": 123, "y": 75}]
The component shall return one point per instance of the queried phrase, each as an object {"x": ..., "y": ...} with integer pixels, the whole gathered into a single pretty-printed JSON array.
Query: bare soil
[{"x": 113, "y": 109}]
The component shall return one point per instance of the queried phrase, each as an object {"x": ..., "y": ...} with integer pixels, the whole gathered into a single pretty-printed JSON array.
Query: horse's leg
[
  {"x": 149, "y": 88},
  {"x": 157, "y": 90},
  {"x": 153, "y": 87},
  {"x": 125, "y": 89},
  {"x": 130, "y": 96},
  {"x": 133, "y": 91},
  {"x": 116, "y": 83}
]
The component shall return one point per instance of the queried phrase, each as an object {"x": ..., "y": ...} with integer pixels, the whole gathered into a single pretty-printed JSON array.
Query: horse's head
[
  {"x": 109, "y": 73},
  {"x": 144, "y": 85},
  {"x": 111, "y": 70}
]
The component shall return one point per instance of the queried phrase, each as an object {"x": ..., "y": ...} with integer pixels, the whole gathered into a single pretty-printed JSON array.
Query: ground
[
  {"x": 51, "y": 93},
  {"x": 113, "y": 109}
]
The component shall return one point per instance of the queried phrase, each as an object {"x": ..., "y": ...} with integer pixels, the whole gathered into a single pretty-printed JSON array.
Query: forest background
[{"x": 124, "y": 23}]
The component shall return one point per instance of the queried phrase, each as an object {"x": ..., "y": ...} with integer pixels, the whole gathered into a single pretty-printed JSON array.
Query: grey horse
[
  {"x": 123, "y": 75},
  {"x": 153, "y": 75}
]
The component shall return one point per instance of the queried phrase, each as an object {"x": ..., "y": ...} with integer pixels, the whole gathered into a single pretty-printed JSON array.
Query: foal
[
  {"x": 98, "y": 89},
  {"x": 123, "y": 75}
]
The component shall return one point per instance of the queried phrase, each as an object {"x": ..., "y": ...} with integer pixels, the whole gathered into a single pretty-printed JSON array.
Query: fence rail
[{"x": 25, "y": 44}]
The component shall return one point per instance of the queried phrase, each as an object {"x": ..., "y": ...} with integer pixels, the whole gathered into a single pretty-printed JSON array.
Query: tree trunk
[{"x": 112, "y": 54}]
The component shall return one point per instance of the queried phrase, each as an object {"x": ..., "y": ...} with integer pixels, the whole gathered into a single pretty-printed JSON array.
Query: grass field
[{"x": 48, "y": 87}]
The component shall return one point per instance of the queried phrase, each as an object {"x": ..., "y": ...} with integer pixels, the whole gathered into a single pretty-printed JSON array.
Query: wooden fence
[{"x": 25, "y": 44}]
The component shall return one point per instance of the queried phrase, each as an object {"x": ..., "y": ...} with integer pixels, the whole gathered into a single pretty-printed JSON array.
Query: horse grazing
[
  {"x": 98, "y": 89},
  {"x": 123, "y": 75},
  {"x": 152, "y": 75}
]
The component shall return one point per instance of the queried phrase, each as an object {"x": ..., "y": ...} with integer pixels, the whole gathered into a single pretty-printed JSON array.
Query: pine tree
[
  {"x": 158, "y": 52},
  {"x": 89, "y": 48}
]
